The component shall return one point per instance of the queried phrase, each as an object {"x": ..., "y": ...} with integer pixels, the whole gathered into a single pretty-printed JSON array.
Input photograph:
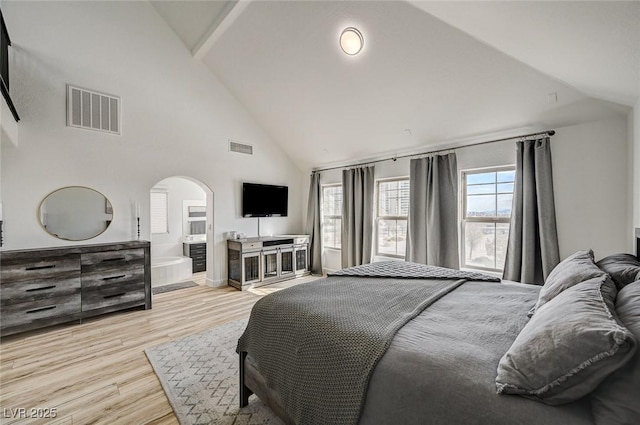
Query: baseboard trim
[{"x": 216, "y": 283}]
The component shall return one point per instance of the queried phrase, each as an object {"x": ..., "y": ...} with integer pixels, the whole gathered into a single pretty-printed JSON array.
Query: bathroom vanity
[
  {"x": 197, "y": 251},
  {"x": 48, "y": 286}
]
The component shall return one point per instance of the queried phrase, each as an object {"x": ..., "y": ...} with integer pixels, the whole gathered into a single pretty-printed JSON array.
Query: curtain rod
[{"x": 394, "y": 158}]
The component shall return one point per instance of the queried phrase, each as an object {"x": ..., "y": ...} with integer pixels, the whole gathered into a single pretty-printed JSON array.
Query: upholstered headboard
[{"x": 638, "y": 243}]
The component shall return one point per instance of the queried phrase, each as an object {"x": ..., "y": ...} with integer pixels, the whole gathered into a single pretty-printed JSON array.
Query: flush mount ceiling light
[{"x": 351, "y": 41}]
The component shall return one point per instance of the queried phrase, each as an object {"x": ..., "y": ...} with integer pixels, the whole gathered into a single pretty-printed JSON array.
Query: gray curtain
[
  {"x": 313, "y": 225},
  {"x": 433, "y": 211},
  {"x": 357, "y": 215},
  {"x": 532, "y": 251}
]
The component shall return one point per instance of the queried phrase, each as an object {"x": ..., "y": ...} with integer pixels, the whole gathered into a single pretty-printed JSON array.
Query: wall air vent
[
  {"x": 92, "y": 110},
  {"x": 240, "y": 147}
]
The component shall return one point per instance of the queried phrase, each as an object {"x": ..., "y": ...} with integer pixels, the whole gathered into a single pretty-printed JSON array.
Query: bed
[{"x": 445, "y": 357}]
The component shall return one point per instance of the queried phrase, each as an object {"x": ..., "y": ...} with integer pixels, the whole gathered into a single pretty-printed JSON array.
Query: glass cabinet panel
[
  {"x": 270, "y": 264},
  {"x": 251, "y": 267},
  {"x": 286, "y": 262},
  {"x": 301, "y": 260}
]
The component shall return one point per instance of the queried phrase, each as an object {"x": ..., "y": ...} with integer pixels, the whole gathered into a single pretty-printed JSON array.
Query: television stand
[{"x": 254, "y": 262}]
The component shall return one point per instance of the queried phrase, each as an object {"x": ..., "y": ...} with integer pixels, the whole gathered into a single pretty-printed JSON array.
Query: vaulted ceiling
[{"x": 430, "y": 73}]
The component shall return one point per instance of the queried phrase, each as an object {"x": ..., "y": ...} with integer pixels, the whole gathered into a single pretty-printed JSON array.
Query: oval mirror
[{"x": 75, "y": 213}]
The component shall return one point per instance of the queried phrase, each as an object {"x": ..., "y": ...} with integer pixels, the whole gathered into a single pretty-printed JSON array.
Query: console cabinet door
[
  {"x": 270, "y": 264},
  {"x": 287, "y": 266},
  {"x": 301, "y": 259},
  {"x": 251, "y": 270}
]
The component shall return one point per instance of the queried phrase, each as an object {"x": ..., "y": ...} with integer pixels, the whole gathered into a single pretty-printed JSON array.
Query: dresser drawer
[
  {"x": 113, "y": 295},
  {"x": 198, "y": 254},
  {"x": 199, "y": 257},
  {"x": 40, "y": 268},
  {"x": 199, "y": 266},
  {"x": 251, "y": 245},
  {"x": 32, "y": 312},
  {"x": 124, "y": 259},
  {"x": 108, "y": 278},
  {"x": 197, "y": 248},
  {"x": 37, "y": 289}
]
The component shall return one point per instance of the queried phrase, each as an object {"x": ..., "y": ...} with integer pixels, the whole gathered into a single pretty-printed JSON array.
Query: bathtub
[{"x": 167, "y": 270}]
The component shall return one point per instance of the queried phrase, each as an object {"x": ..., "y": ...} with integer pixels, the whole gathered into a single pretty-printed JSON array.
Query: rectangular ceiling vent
[
  {"x": 92, "y": 110},
  {"x": 240, "y": 147}
]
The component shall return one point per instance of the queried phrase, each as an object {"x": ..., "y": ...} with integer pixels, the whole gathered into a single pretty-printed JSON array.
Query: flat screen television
[{"x": 264, "y": 200}]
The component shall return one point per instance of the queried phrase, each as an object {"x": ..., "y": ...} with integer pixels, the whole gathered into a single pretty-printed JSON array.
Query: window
[
  {"x": 391, "y": 217},
  {"x": 331, "y": 216},
  {"x": 159, "y": 216},
  {"x": 487, "y": 198}
]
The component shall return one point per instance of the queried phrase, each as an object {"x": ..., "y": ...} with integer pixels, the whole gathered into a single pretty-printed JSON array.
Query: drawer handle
[
  {"x": 41, "y": 267},
  {"x": 113, "y": 259},
  {"x": 106, "y": 297},
  {"x": 114, "y": 277},
  {"x": 36, "y": 310},
  {"x": 41, "y": 289}
]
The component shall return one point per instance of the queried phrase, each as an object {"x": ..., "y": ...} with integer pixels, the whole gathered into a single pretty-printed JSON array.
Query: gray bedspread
[
  {"x": 440, "y": 368},
  {"x": 316, "y": 344},
  {"x": 409, "y": 270}
]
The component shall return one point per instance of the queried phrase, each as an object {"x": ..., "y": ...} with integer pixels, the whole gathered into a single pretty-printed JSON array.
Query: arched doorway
[{"x": 181, "y": 217}]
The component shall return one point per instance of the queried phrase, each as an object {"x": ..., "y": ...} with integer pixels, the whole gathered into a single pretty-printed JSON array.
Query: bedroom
[{"x": 178, "y": 115}]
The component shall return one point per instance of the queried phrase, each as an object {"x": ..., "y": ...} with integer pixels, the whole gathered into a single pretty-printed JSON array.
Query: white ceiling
[
  {"x": 593, "y": 46},
  {"x": 446, "y": 71},
  {"x": 191, "y": 20}
]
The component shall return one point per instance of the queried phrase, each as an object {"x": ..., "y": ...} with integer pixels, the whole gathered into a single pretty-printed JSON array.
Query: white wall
[
  {"x": 591, "y": 184},
  {"x": 178, "y": 190},
  {"x": 635, "y": 149},
  {"x": 176, "y": 121},
  {"x": 8, "y": 125}
]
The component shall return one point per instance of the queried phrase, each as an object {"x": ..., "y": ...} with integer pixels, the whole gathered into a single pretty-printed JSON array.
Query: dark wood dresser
[
  {"x": 44, "y": 287},
  {"x": 198, "y": 253}
]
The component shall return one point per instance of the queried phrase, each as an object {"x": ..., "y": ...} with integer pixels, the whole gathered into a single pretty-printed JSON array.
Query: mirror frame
[{"x": 39, "y": 213}]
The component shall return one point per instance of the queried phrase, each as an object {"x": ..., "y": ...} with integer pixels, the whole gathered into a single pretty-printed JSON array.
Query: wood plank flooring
[{"x": 97, "y": 373}]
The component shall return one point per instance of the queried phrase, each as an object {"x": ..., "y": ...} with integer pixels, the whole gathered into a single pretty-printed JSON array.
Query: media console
[{"x": 254, "y": 262}]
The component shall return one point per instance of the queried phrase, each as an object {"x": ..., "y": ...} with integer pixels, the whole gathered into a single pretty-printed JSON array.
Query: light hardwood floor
[{"x": 97, "y": 373}]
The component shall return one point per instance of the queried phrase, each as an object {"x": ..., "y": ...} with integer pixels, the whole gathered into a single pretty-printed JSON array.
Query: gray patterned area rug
[
  {"x": 199, "y": 375},
  {"x": 173, "y": 287}
]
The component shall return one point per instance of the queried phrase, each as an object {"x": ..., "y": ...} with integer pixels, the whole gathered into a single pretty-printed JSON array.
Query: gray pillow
[
  {"x": 572, "y": 270},
  {"x": 623, "y": 268},
  {"x": 617, "y": 400},
  {"x": 569, "y": 347}
]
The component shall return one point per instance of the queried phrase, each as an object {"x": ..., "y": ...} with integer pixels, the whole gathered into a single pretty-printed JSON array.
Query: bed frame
[{"x": 252, "y": 382}]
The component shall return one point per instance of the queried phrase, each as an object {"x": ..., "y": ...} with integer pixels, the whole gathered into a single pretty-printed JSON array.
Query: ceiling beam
[{"x": 229, "y": 14}]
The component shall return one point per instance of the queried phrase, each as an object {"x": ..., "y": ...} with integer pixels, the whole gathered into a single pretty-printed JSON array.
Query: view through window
[
  {"x": 487, "y": 198},
  {"x": 391, "y": 220},
  {"x": 331, "y": 216}
]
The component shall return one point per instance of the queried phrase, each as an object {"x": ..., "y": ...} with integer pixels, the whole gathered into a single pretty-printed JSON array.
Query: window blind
[{"x": 159, "y": 214}]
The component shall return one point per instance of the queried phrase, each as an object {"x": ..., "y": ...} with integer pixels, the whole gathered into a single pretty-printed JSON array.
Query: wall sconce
[{"x": 351, "y": 41}]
